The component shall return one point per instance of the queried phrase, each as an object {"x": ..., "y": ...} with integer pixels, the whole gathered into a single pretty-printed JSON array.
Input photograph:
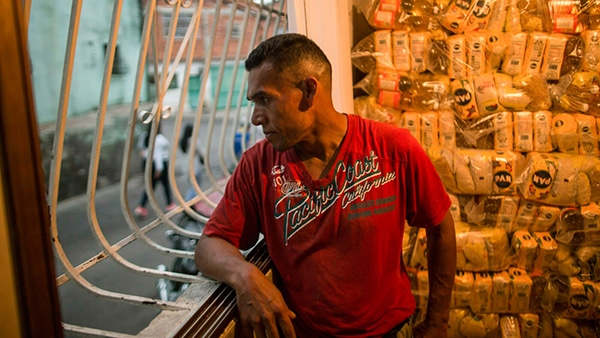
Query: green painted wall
[{"x": 48, "y": 32}]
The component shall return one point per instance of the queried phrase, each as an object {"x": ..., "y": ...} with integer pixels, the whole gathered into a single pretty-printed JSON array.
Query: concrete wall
[{"x": 48, "y": 32}]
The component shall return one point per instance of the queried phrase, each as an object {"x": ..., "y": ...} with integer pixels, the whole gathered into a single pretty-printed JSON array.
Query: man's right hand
[{"x": 262, "y": 309}]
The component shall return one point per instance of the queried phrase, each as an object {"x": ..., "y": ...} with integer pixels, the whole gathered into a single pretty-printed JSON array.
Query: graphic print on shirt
[{"x": 298, "y": 205}]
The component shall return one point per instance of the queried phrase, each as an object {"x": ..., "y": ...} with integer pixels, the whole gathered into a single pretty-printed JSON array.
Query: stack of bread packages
[{"x": 504, "y": 95}]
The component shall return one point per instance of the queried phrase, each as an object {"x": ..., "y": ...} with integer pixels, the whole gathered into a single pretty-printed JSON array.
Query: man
[{"x": 330, "y": 192}]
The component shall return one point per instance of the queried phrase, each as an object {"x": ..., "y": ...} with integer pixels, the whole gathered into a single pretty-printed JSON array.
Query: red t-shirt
[{"x": 336, "y": 242}]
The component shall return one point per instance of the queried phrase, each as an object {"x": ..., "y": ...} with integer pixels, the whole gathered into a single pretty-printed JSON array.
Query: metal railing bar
[
  {"x": 55, "y": 172},
  {"x": 222, "y": 66},
  {"x": 232, "y": 86},
  {"x": 157, "y": 118},
  {"x": 118, "y": 246},
  {"x": 137, "y": 232},
  {"x": 242, "y": 95},
  {"x": 208, "y": 59},
  {"x": 186, "y": 205},
  {"x": 63, "y": 105},
  {"x": 94, "y": 163},
  {"x": 91, "y": 332},
  {"x": 129, "y": 141}
]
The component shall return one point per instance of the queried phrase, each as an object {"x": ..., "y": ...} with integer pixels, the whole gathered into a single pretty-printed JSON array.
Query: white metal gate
[{"x": 226, "y": 30}]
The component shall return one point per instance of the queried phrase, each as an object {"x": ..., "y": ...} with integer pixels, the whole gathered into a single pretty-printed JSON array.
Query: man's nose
[{"x": 257, "y": 117}]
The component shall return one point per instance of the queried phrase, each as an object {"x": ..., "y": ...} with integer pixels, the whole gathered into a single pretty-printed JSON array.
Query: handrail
[{"x": 218, "y": 312}]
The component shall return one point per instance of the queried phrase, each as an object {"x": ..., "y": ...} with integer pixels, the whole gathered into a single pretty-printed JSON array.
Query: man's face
[{"x": 277, "y": 103}]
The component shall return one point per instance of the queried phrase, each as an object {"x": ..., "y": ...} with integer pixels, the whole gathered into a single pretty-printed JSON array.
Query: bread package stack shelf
[{"x": 504, "y": 95}]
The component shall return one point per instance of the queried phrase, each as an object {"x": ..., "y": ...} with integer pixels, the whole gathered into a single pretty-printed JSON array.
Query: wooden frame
[{"x": 27, "y": 214}]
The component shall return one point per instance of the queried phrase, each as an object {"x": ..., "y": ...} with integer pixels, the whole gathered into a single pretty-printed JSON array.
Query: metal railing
[{"x": 215, "y": 129}]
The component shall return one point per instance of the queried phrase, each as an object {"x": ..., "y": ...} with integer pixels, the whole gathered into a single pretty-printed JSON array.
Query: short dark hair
[{"x": 285, "y": 52}]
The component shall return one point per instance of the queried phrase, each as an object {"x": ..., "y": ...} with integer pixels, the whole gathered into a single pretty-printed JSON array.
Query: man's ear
[{"x": 309, "y": 90}]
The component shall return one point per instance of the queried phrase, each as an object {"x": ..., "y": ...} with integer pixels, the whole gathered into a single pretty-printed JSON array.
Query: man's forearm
[
  {"x": 441, "y": 261},
  {"x": 220, "y": 260}
]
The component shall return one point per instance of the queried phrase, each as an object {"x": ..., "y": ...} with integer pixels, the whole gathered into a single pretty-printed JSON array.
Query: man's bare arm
[
  {"x": 260, "y": 304},
  {"x": 441, "y": 265}
]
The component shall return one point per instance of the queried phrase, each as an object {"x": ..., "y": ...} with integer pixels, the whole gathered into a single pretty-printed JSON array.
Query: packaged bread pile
[{"x": 504, "y": 95}]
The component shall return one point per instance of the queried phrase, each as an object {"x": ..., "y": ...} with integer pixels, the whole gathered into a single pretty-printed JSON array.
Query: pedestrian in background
[{"x": 160, "y": 168}]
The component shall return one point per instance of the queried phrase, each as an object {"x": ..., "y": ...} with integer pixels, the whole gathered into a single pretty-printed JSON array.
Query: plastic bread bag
[
  {"x": 542, "y": 126},
  {"x": 534, "y": 15},
  {"x": 565, "y": 327},
  {"x": 523, "y": 131},
  {"x": 556, "y": 179},
  {"x": 509, "y": 325},
  {"x": 473, "y": 165},
  {"x": 513, "y": 19},
  {"x": 565, "y": 263},
  {"x": 408, "y": 243},
  {"x": 385, "y": 80},
  {"x": 536, "y": 89},
  {"x": 437, "y": 59},
  {"x": 464, "y": 98},
  {"x": 462, "y": 230},
  {"x": 480, "y": 16},
  {"x": 576, "y": 92},
  {"x": 481, "y": 298},
  {"x": 419, "y": 255},
  {"x": 380, "y": 14},
  {"x": 526, "y": 215},
  {"x": 373, "y": 52},
  {"x": 554, "y": 56},
  {"x": 455, "y": 16},
  {"x": 564, "y": 133},
  {"x": 544, "y": 218},
  {"x": 571, "y": 299},
  {"x": 457, "y": 54},
  {"x": 576, "y": 229},
  {"x": 476, "y": 61},
  {"x": 443, "y": 161},
  {"x": 482, "y": 249},
  {"x": 477, "y": 133},
  {"x": 570, "y": 16},
  {"x": 587, "y": 133},
  {"x": 509, "y": 97},
  {"x": 492, "y": 211},
  {"x": 430, "y": 92},
  {"x": 591, "y": 53},
  {"x": 525, "y": 247},
  {"x": 480, "y": 325},
  {"x": 463, "y": 288},
  {"x": 420, "y": 44},
  {"x": 362, "y": 54},
  {"x": 367, "y": 107},
  {"x": 430, "y": 129},
  {"x": 491, "y": 172},
  {"x": 421, "y": 16},
  {"x": 486, "y": 94},
  {"x": 514, "y": 57},
  {"x": 447, "y": 125},
  {"x": 573, "y": 57},
  {"x": 496, "y": 46},
  {"x": 571, "y": 186},
  {"x": 538, "y": 176},
  {"x": 534, "y": 52},
  {"x": 589, "y": 254},
  {"x": 456, "y": 315}
]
